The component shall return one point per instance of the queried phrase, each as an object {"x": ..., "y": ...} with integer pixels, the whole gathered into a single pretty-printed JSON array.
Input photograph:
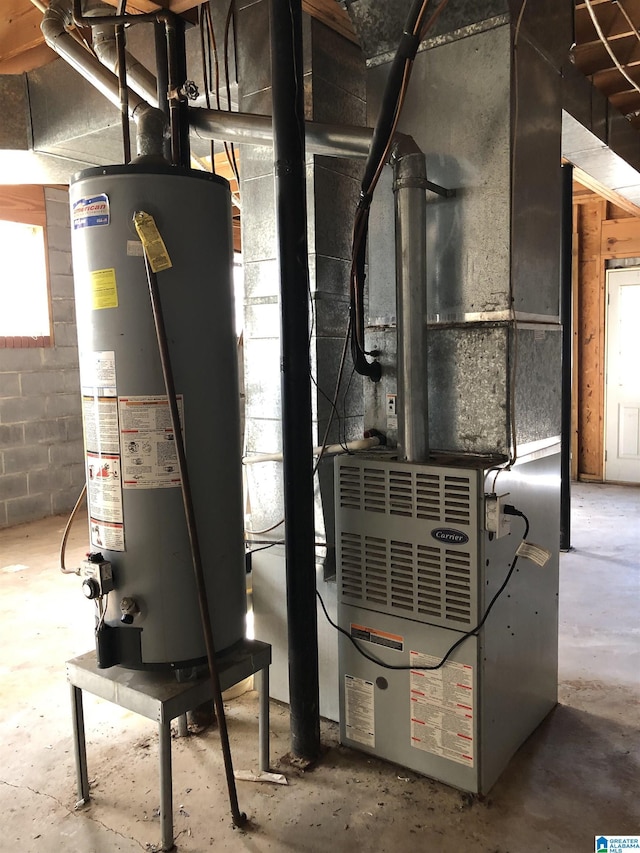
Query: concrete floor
[{"x": 576, "y": 777}]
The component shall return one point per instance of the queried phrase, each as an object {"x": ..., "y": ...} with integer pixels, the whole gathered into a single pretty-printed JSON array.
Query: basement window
[{"x": 25, "y": 314}]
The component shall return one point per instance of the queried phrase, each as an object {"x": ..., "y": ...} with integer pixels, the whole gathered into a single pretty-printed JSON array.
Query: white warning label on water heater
[
  {"x": 441, "y": 708},
  {"x": 359, "y": 710},
  {"x": 106, "y": 534},
  {"x": 102, "y": 451},
  {"x": 147, "y": 442}
]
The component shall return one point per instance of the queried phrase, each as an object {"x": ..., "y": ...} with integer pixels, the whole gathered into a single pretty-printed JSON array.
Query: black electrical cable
[
  {"x": 392, "y": 99},
  {"x": 509, "y": 510},
  {"x": 231, "y": 17}
]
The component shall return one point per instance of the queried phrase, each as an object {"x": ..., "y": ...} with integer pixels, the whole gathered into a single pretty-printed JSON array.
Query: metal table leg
[
  {"x": 79, "y": 746},
  {"x": 166, "y": 787},
  {"x": 263, "y": 719}
]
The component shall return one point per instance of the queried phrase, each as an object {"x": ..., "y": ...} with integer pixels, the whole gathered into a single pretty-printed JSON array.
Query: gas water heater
[{"x": 140, "y": 570}]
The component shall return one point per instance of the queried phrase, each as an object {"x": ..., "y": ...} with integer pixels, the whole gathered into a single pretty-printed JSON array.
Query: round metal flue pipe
[{"x": 409, "y": 177}]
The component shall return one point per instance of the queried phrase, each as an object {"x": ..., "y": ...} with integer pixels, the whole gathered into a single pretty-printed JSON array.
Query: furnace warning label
[
  {"x": 378, "y": 638},
  {"x": 147, "y": 442},
  {"x": 359, "y": 710},
  {"x": 441, "y": 709}
]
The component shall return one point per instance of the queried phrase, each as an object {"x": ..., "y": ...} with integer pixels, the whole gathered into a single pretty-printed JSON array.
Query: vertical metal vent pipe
[
  {"x": 297, "y": 445},
  {"x": 409, "y": 177}
]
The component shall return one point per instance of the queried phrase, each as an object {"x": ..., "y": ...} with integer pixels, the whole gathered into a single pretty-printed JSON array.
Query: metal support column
[
  {"x": 79, "y": 746},
  {"x": 291, "y": 205},
  {"x": 166, "y": 787},
  {"x": 567, "y": 351},
  {"x": 263, "y": 720}
]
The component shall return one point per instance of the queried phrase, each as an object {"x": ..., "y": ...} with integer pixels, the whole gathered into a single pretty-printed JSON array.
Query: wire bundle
[{"x": 415, "y": 30}]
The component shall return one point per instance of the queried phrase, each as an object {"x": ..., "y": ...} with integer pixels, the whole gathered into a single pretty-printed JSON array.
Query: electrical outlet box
[
  {"x": 391, "y": 404},
  {"x": 496, "y": 521}
]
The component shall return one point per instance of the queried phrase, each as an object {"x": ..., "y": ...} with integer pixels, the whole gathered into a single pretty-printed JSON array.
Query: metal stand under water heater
[
  {"x": 140, "y": 571},
  {"x": 422, "y": 551}
]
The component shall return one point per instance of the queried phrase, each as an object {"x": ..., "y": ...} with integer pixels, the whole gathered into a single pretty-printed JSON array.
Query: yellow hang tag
[{"x": 152, "y": 242}]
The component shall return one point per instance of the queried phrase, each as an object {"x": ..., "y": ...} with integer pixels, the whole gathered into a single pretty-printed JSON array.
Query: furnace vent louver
[
  {"x": 388, "y": 559},
  {"x": 406, "y": 493},
  {"x": 421, "y": 581}
]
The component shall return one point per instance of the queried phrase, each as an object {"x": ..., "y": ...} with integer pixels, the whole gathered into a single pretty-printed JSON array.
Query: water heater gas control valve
[{"x": 97, "y": 576}]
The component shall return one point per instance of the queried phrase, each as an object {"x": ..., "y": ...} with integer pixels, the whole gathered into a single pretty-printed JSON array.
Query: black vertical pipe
[
  {"x": 183, "y": 108},
  {"x": 567, "y": 351},
  {"x": 291, "y": 214},
  {"x": 162, "y": 76}
]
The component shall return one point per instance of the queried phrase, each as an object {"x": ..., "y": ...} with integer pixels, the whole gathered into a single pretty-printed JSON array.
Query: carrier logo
[
  {"x": 88, "y": 212},
  {"x": 451, "y": 537}
]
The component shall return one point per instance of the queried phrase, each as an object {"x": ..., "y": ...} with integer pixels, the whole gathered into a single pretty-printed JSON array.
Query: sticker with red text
[{"x": 442, "y": 708}]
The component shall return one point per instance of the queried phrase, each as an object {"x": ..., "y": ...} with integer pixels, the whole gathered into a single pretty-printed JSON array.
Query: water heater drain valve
[{"x": 97, "y": 576}]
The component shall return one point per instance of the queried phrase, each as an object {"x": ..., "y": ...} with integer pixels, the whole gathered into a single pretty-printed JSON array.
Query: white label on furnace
[
  {"x": 359, "y": 710},
  {"x": 98, "y": 373},
  {"x": 147, "y": 443},
  {"x": 441, "y": 708}
]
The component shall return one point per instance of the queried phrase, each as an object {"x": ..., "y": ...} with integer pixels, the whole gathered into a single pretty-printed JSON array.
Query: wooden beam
[
  {"x": 19, "y": 28},
  {"x": 23, "y": 203},
  {"x": 333, "y": 15},
  {"x": 34, "y": 57},
  {"x": 327, "y": 11},
  {"x": 593, "y": 57},
  {"x": 589, "y": 322},
  {"x": 610, "y": 195},
  {"x": 620, "y": 238},
  {"x": 613, "y": 23},
  {"x": 611, "y": 81}
]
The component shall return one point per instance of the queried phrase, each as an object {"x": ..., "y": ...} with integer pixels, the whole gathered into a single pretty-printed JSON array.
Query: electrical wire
[
  {"x": 398, "y": 79},
  {"x": 509, "y": 510},
  {"x": 513, "y": 345},
  {"x": 212, "y": 84},
  {"x": 607, "y": 44},
  {"x": 231, "y": 152},
  {"x": 205, "y": 51}
]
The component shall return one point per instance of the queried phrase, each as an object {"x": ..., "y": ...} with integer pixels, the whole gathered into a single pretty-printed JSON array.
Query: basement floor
[{"x": 576, "y": 777}]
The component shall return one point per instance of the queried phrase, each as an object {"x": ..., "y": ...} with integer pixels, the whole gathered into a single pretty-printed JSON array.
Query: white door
[{"x": 622, "y": 408}]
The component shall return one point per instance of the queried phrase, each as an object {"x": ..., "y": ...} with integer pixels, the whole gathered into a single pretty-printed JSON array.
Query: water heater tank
[{"x": 136, "y": 514}]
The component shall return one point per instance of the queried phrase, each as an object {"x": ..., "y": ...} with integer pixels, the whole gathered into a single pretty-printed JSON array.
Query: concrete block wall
[{"x": 41, "y": 449}]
